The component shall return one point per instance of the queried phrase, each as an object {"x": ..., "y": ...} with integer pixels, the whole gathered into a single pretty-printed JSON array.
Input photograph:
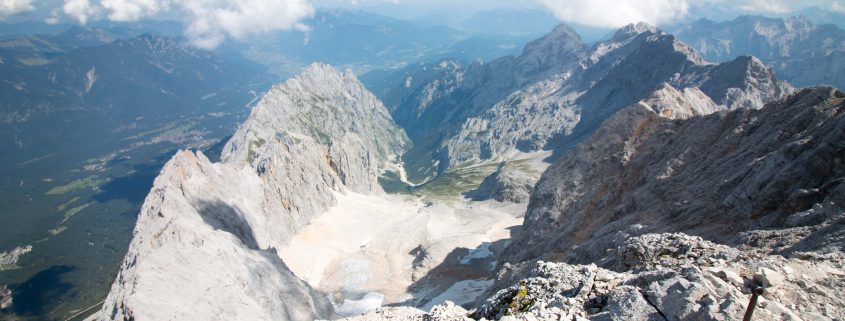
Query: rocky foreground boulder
[{"x": 671, "y": 276}]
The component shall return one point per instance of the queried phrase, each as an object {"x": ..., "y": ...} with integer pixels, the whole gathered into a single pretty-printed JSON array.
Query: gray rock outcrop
[
  {"x": 732, "y": 177},
  {"x": 205, "y": 244},
  {"x": 524, "y": 104},
  {"x": 507, "y": 184},
  {"x": 11, "y": 258},
  {"x": 670, "y": 276},
  {"x": 562, "y": 110},
  {"x": 5, "y": 297}
]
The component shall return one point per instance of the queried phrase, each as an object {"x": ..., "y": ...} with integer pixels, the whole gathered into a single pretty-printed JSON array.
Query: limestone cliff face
[
  {"x": 740, "y": 177},
  {"x": 203, "y": 249},
  {"x": 204, "y": 246},
  {"x": 558, "y": 91},
  {"x": 313, "y": 134},
  {"x": 560, "y": 110},
  {"x": 328, "y": 108}
]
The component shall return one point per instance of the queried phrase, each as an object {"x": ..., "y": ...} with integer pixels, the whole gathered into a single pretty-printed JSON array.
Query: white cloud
[
  {"x": 81, "y": 10},
  {"x": 208, "y": 22},
  {"x": 10, "y": 7},
  {"x": 131, "y": 10},
  {"x": 770, "y": 6},
  {"x": 837, "y": 7},
  {"x": 211, "y": 21},
  {"x": 617, "y": 13}
]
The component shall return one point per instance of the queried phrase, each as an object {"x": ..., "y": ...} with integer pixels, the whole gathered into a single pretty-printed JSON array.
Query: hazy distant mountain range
[
  {"x": 800, "y": 51},
  {"x": 553, "y": 94}
]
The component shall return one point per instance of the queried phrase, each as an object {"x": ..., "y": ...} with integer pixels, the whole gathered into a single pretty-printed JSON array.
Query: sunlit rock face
[
  {"x": 559, "y": 90},
  {"x": 205, "y": 244}
]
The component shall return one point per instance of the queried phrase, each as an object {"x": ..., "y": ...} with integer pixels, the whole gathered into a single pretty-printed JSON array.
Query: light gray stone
[
  {"x": 507, "y": 184},
  {"x": 769, "y": 278},
  {"x": 205, "y": 244}
]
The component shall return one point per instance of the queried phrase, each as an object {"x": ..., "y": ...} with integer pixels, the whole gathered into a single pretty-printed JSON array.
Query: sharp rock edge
[{"x": 204, "y": 246}]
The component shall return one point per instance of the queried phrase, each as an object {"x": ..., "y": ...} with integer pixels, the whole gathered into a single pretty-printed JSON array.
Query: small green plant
[
  {"x": 520, "y": 302},
  {"x": 250, "y": 153}
]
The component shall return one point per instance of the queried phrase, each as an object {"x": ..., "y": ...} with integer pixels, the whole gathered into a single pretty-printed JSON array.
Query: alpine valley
[{"x": 649, "y": 175}]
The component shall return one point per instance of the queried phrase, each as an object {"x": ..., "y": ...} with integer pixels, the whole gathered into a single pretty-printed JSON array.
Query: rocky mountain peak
[
  {"x": 561, "y": 39},
  {"x": 320, "y": 76},
  {"x": 799, "y": 22},
  {"x": 556, "y": 52},
  {"x": 672, "y": 103},
  {"x": 315, "y": 135},
  {"x": 633, "y": 29},
  {"x": 323, "y": 104},
  {"x": 642, "y": 37},
  {"x": 745, "y": 82}
]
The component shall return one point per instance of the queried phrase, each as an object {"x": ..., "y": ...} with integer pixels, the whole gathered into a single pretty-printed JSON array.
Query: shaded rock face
[
  {"x": 524, "y": 104},
  {"x": 506, "y": 184},
  {"x": 5, "y": 298},
  {"x": 205, "y": 243},
  {"x": 799, "y": 51},
  {"x": 312, "y": 135},
  {"x": 732, "y": 177}
]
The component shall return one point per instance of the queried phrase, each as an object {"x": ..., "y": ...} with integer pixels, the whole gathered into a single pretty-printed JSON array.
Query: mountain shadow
[{"x": 43, "y": 290}]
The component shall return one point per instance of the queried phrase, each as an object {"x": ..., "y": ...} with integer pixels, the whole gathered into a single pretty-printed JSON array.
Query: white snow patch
[
  {"x": 363, "y": 244},
  {"x": 460, "y": 293},
  {"x": 90, "y": 79},
  {"x": 482, "y": 252},
  {"x": 403, "y": 175},
  {"x": 369, "y": 302}
]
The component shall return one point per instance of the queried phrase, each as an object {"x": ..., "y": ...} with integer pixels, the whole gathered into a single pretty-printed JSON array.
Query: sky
[{"x": 209, "y": 22}]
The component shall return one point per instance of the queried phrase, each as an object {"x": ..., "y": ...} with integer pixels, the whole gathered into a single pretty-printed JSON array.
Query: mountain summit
[{"x": 209, "y": 232}]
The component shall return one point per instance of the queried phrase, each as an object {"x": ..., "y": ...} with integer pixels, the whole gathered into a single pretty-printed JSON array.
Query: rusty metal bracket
[{"x": 755, "y": 294}]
